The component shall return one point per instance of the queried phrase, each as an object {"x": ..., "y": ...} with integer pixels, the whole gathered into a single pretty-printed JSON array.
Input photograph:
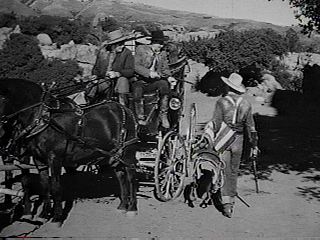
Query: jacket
[
  {"x": 244, "y": 122},
  {"x": 122, "y": 63},
  {"x": 143, "y": 61}
]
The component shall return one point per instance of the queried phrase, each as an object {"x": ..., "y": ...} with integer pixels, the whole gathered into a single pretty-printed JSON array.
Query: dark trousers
[{"x": 140, "y": 87}]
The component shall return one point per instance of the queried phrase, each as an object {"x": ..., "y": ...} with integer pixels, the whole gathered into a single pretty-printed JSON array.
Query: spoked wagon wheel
[{"x": 170, "y": 167}]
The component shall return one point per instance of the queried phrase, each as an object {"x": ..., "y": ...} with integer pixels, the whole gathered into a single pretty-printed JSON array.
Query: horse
[{"x": 58, "y": 133}]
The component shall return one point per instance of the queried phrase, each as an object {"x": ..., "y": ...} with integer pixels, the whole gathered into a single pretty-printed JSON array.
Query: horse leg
[
  {"x": 132, "y": 182},
  {"x": 25, "y": 182},
  {"x": 45, "y": 194},
  {"x": 55, "y": 166},
  {"x": 120, "y": 173}
]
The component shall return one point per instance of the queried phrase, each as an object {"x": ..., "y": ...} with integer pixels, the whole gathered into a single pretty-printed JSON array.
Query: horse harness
[{"x": 43, "y": 120}]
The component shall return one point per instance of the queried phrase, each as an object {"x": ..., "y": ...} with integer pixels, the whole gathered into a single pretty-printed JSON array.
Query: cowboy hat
[
  {"x": 234, "y": 81},
  {"x": 158, "y": 36},
  {"x": 118, "y": 36}
]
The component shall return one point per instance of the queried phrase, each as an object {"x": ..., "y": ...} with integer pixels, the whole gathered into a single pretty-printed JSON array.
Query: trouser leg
[
  {"x": 122, "y": 88},
  {"x": 164, "y": 107},
  {"x": 232, "y": 157},
  {"x": 163, "y": 88},
  {"x": 138, "y": 88}
]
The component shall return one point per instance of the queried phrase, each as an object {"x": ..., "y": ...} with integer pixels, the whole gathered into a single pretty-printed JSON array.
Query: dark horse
[{"x": 56, "y": 133}]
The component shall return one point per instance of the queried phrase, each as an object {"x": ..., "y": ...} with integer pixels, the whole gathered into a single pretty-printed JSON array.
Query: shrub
[
  {"x": 21, "y": 57},
  {"x": 8, "y": 20},
  {"x": 232, "y": 50},
  {"x": 55, "y": 71},
  {"x": 60, "y": 29}
]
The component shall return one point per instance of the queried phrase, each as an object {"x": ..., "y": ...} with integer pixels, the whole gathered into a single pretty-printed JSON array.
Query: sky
[{"x": 277, "y": 11}]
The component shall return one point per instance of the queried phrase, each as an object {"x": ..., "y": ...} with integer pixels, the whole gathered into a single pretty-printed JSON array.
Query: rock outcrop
[
  {"x": 85, "y": 55},
  {"x": 5, "y": 33}
]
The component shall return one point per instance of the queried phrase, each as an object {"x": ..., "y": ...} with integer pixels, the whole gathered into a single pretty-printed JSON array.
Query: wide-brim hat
[
  {"x": 158, "y": 36},
  {"x": 234, "y": 81},
  {"x": 119, "y": 36}
]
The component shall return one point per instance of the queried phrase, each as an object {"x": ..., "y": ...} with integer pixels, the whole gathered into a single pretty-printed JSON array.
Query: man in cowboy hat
[
  {"x": 151, "y": 67},
  {"x": 226, "y": 106},
  {"x": 116, "y": 61}
]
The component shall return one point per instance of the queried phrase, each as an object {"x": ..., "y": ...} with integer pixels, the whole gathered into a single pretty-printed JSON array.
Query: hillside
[
  {"x": 8, "y": 6},
  {"x": 134, "y": 12}
]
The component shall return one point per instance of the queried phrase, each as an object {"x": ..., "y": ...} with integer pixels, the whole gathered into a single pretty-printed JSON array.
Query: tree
[
  {"x": 308, "y": 14},
  {"x": 293, "y": 41}
]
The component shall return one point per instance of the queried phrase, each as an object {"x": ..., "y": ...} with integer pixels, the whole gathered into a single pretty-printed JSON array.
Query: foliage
[
  {"x": 308, "y": 14},
  {"x": 285, "y": 78},
  {"x": 61, "y": 72},
  {"x": 232, "y": 50},
  {"x": 109, "y": 24},
  {"x": 21, "y": 57},
  {"x": 60, "y": 29},
  {"x": 8, "y": 20},
  {"x": 293, "y": 41}
]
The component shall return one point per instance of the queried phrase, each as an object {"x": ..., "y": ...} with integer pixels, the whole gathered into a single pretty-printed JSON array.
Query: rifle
[{"x": 254, "y": 153}]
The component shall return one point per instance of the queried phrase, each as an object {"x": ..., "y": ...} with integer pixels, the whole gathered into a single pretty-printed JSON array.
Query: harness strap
[{"x": 60, "y": 129}]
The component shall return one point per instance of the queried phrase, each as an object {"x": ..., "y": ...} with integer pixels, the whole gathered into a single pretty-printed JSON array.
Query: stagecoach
[{"x": 172, "y": 158}]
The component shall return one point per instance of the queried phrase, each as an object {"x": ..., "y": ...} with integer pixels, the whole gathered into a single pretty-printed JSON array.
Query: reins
[{"x": 5, "y": 118}]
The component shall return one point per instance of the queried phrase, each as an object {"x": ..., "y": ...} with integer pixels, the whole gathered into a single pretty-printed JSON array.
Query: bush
[
  {"x": 21, "y": 57},
  {"x": 55, "y": 71},
  {"x": 61, "y": 30},
  {"x": 285, "y": 78},
  {"x": 231, "y": 51},
  {"x": 8, "y": 20}
]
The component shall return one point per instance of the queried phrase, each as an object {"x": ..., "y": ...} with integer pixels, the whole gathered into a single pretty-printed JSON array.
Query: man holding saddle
[
  {"x": 232, "y": 121},
  {"x": 152, "y": 69},
  {"x": 116, "y": 61}
]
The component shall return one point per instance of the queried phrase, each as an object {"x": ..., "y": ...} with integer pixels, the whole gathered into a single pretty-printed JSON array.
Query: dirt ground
[{"x": 287, "y": 206}]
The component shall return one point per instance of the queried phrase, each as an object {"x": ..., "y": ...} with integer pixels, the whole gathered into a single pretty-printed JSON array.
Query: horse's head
[{"x": 16, "y": 95}]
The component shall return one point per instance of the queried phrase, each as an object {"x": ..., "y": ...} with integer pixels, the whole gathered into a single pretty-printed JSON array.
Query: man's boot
[
  {"x": 123, "y": 100},
  {"x": 164, "y": 107},
  {"x": 139, "y": 108}
]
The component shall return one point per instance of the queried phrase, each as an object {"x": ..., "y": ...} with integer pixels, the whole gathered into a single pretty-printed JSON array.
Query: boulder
[
  {"x": 269, "y": 83},
  {"x": 67, "y": 51},
  {"x": 87, "y": 54},
  {"x": 44, "y": 39},
  {"x": 4, "y": 35},
  {"x": 87, "y": 68}
]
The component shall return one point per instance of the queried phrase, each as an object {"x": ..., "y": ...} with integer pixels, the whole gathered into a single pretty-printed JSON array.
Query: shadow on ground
[
  {"x": 288, "y": 143},
  {"x": 75, "y": 187}
]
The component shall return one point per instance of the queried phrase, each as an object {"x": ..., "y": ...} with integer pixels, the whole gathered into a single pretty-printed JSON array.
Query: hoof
[
  {"x": 27, "y": 217},
  {"x": 56, "y": 224},
  {"x": 123, "y": 211},
  {"x": 131, "y": 213},
  {"x": 227, "y": 210},
  {"x": 41, "y": 220}
]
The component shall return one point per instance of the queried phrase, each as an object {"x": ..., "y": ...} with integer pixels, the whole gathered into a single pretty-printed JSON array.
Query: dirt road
[{"x": 286, "y": 208}]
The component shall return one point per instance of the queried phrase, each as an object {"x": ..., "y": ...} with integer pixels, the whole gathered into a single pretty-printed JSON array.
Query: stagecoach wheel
[{"x": 170, "y": 167}]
